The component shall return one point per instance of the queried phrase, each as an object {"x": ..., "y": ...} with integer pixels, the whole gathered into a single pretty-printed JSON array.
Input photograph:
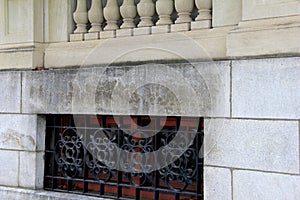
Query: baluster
[
  {"x": 80, "y": 17},
  {"x": 95, "y": 15},
  {"x": 128, "y": 12},
  {"x": 112, "y": 14},
  {"x": 204, "y": 9},
  {"x": 184, "y": 9},
  {"x": 164, "y": 9},
  {"x": 146, "y": 10}
]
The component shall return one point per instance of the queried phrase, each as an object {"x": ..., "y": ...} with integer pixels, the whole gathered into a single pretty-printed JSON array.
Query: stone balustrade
[{"x": 98, "y": 19}]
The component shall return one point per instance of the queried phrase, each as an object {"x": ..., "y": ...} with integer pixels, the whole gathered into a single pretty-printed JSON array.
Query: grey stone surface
[
  {"x": 7, "y": 193},
  {"x": 266, "y": 88},
  {"x": 9, "y": 168},
  {"x": 47, "y": 91},
  {"x": 10, "y": 87},
  {"x": 217, "y": 183},
  {"x": 31, "y": 170},
  {"x": 193, "y": 89},
  {"x": 252, "y": 144},
  {"x": 249, "y": 185},
  {"x": 18, "y": 132}
]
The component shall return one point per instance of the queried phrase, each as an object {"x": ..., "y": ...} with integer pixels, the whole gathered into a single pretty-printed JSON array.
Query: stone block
[
  {"x": 217, "y": 183},
  {"x": 202, "y": 89},
  {"x": 18, "y": 132},
  {"x": 92, "y": 36},
  {"x": 124, "y": 32},
  {"x": 226, "y": 12},
  {"x": 266, "y": 88},
  {"x": 180, "y": 27},
  {"x": 76, "y": 37},
  {"x": 249, "y": 185},
  {"x": 142, "y": 31},
  {"x": 216, "y": 76},
  {"x": 204, "y": 24},
  {"x": 107, "y": 34},
  {"x": 9, "y": 168},
  {"x": 252, "y": 144},
  {"x": 47, "y": 91},
  {"x": 31, "y": 170},
  {"x": 10, "y": 87},
  {"x": 160, "y": 29}
]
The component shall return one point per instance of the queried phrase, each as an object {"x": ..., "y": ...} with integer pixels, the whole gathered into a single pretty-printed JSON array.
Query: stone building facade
[{"x": 236, "y": 64}]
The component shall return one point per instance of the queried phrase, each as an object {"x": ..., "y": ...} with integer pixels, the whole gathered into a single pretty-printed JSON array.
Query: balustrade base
[
  {"x": 142, "y": 31},
  {"x": 124, "y": 32},
  {"x": 201, "y": 24},
  {"x": 92, "y": 36},
  {"x": 107, "y": 34},
  {"x": 76, "y": 37},
  {"x": 161, "y": 29},
  {"x": 181, "y": 27}
]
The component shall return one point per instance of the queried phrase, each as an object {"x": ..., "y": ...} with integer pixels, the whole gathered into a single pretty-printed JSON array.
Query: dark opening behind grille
[{"x": 71, "y": 167}]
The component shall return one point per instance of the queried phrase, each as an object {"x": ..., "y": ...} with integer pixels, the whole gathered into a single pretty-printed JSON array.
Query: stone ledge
[
  {"x": 267, "y": 37},
  {"x": 93, "y": 90},
  {"x": 204, "y": 44},
  {"x": 9, "y": 193}
]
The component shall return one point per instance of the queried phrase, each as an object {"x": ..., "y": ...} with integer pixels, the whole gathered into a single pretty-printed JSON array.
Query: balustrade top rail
[{"x": 97, "y": 17}]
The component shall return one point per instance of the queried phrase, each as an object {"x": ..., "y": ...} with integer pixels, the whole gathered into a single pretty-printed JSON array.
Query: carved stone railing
[{"x": 99, "y": 19}]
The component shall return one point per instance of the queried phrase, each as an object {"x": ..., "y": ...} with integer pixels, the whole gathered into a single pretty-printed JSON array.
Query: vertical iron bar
[{"x": 119, "y": 187}]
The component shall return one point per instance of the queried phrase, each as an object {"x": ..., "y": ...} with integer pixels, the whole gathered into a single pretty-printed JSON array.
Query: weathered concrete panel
[
  {"x": 18, "y": 132},
  {"x": 189, "y": 89},
  {"x": 10, "y": 87},
  {"x": 252, "y": 144},
  {"x": 217, "y": 183},
  {"x": 9, "y": 168},
  {"x": 249, "y": 185},
  {"x": 266, "y": 88}
]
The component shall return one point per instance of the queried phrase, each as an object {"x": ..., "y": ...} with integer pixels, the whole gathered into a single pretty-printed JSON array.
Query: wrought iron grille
[{"x": 73, "y": 165}]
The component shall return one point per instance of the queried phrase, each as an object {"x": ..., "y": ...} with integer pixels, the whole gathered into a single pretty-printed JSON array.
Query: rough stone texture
[
  {"x": 9, "y": 168},
  {"x": 18, "y": 132},
  {"x": 252, "y": 144},
  {"x": 217, "y": 80},
  {"x": 249, "y": 185},
  {"x": 26, "y": 194},
  {"x": 47, "y": 91},
  {"x": 31, "y": 170},
  {"x": 266, "y": 88},
  {"x": 10, "y": 87},
  {"x": 217, "y": 183},
  {"x": 197, "y": 89}
]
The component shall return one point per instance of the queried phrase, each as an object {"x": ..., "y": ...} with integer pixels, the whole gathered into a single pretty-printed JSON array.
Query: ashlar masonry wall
[{"x": 252, "y": 122}]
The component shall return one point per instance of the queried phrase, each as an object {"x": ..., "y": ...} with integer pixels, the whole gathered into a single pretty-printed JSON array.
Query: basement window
[{"x": 83, "y": 156}]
